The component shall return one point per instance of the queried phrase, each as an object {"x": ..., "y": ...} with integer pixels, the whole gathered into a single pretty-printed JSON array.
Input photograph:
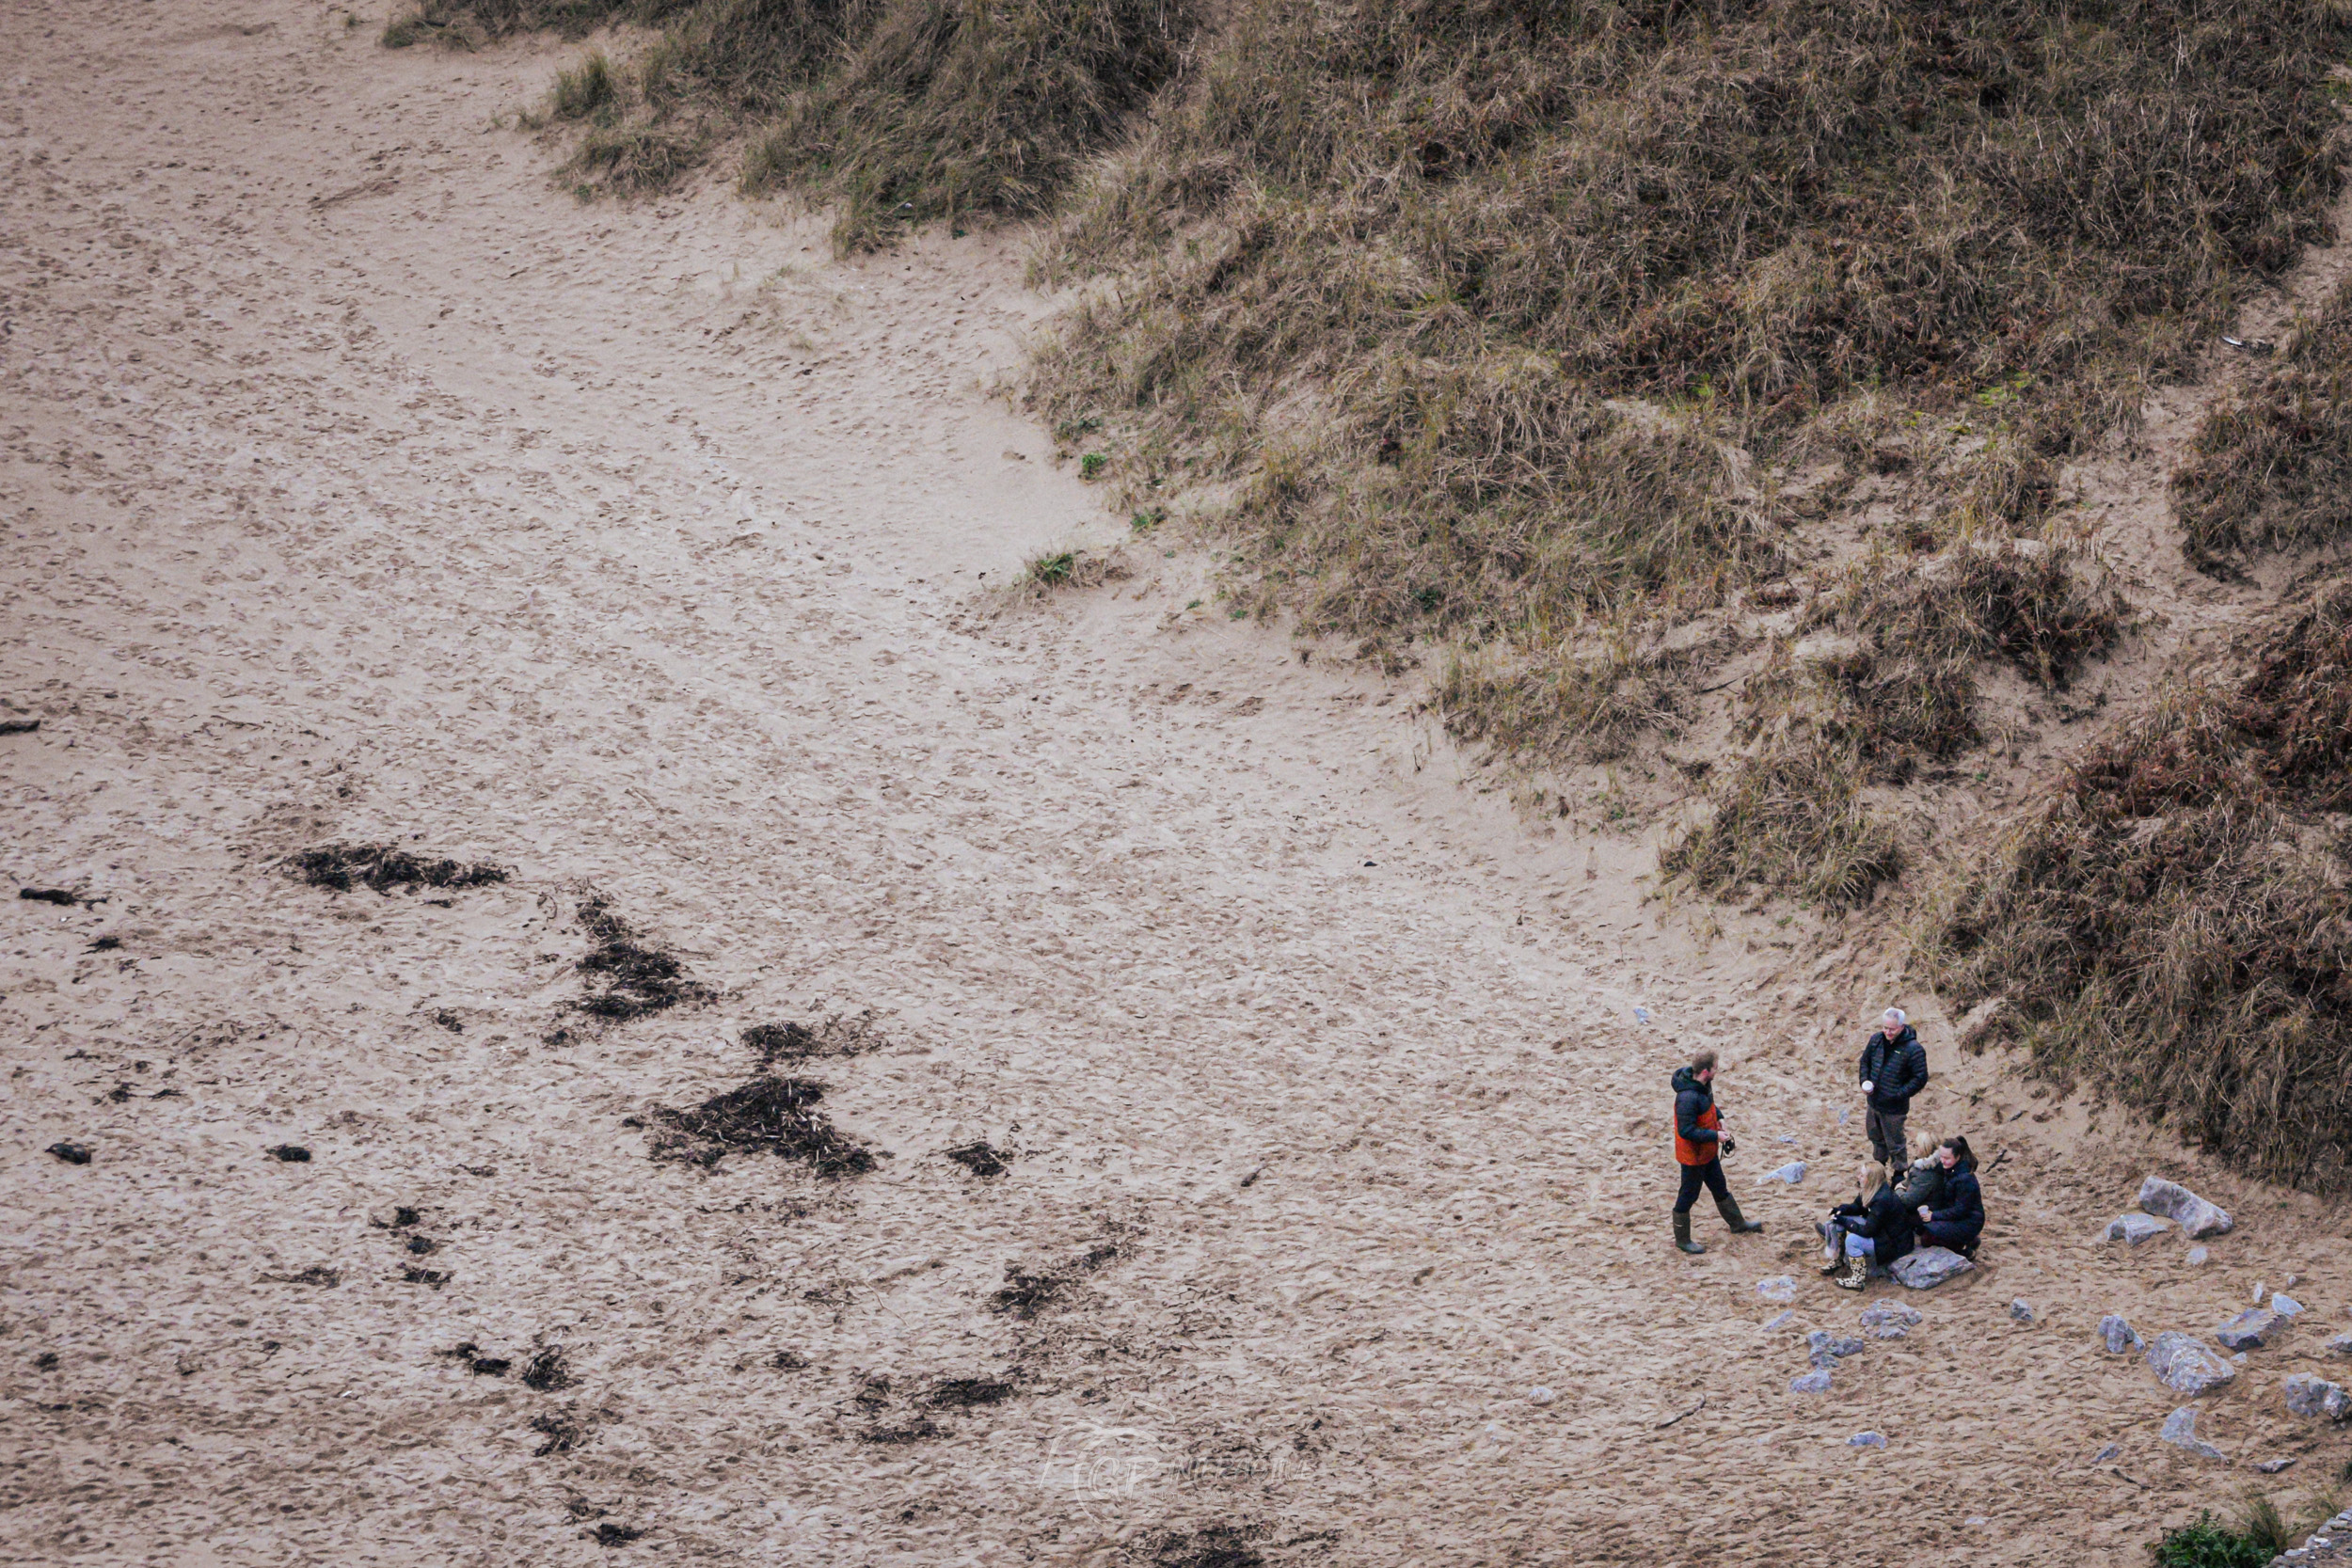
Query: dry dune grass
[
  {"x": 1504, "y": 323},
  {"x": 894, "y": 112},
  {"x": 2272, "y": 467},
  {"x": 2171, "y": 922},
  {"x": 1419, "y": 256}
]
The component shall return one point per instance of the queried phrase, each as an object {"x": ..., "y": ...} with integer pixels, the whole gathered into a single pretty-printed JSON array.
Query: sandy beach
[{"x": 363, "y": 487}]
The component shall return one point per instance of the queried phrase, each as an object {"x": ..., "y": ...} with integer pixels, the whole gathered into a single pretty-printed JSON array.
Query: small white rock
[{"x": 1540, "y": 1395}]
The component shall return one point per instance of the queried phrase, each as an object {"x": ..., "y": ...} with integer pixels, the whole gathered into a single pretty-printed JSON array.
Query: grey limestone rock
[
  {"x": 1889, "y": 1319},
  {"x": 2316, "y": 1396},
  {"x": 2119, "y": 1335},
  {"x": 2187, "y": 1365},
  {"x": 1815, "y": 1382},
  {"x": 2192, "y": 1214},
  {"x": 1929, "y": 1267},
  {"x": 2180, "y": 1427},
  {"x": 2136, "y": 1228},
  {"x": 2249, "y": 1330},
  {"x": 1825, "y": 1349}
]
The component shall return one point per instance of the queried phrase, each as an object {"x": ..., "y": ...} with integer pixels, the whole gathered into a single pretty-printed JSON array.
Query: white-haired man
[{"x": 1894, "y": 1067}]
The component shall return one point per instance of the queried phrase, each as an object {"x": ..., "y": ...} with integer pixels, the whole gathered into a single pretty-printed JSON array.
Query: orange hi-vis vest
[{"x": 1698, "y": 1155}]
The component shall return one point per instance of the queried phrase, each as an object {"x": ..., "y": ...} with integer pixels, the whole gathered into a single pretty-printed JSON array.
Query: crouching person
[
  {"x": 1699, "y": 1146},
  {"x": 1958, "y": 1220}
]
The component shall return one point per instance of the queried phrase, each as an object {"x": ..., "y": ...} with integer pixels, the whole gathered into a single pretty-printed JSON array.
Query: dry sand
[{"x": 360, "y": 485}]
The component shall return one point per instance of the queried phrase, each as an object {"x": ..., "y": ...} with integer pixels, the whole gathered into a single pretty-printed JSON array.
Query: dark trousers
[
  {"x": 1887, "y": 1134},
  {"x": 1710, "y": 1176}
]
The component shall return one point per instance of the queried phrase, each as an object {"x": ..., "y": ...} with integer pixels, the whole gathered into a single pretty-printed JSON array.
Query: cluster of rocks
[
  {"x": 1892, "y": 1319},
  {"x": 2187, "y": 1364},
  {"x": 1884, "y": 1319},
  {"x": 2165, "y": 1204},
  {"x": 2330, "y": 1543}
]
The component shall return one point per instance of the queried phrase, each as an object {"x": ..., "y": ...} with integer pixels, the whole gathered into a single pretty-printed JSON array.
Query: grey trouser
[{"x": 1887, "y": 1134}]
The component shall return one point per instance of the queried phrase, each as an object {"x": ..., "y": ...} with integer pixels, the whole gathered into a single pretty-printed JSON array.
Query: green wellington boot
[
  {"x": 1683, "y": 1233},
  {"x": 1728, "y": 1206}
]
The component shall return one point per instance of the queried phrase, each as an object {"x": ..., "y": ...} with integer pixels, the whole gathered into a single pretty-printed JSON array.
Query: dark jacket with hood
[
  {"x": 1891, "y": 1224},
  {"x": 1692, "y": 1100},
  {"x": 1896, "y": 1069},
  {"x": 1960, "y": 1219}
]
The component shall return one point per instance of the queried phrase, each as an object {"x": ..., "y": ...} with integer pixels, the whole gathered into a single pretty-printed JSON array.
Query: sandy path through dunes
[{"x": 360, "y": 487}]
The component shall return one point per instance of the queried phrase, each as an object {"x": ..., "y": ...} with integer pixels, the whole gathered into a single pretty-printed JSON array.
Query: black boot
[
  {"x": 1682, "y": 1232},
  {"x": 1728, "y": 1206}
]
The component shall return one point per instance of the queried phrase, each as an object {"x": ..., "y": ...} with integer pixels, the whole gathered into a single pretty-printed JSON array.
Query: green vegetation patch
[{"x": 2173, "y": 921}]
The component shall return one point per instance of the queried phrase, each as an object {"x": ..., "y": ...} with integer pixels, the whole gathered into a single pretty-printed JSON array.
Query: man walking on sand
[
  {"x": 1894, "y": 1067},
  {"x": 1699, "y": 1143}
]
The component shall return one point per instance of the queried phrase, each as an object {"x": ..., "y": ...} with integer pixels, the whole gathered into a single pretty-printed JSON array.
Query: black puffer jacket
[{"x": 1896, "y": 1069}]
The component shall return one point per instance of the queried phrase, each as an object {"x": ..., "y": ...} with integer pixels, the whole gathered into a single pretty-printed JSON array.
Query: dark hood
[{"x": 1686, "y": 1080}]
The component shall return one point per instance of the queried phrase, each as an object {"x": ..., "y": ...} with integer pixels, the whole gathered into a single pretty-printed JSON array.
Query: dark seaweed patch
[
  {"x": 317, "y": 1273},
  {"x": 385, "y": 866},
  {"x": 548, "y": 1371},
  {"x": 965, "y": 1392},
  {"x": 914, "y": 1432},
  {"x": 477, "y": 1363},
  {"x": 18, "y": 726},
  {"x": 435, "y": 1277},
  {"x": 561, "y": 1433},
  {"x": 774, "y": 1115},
  {"x": 637, "y": 979},
  {"x": 979, "y": 1159},
  {"x": 72, "y": 1154},
  {"x": 292, "y": 1155},
  {"x": 617, "y": 1535},
  {"x": 837, "y": 1036},
  {"x": 1025, "y": 1292},
  {"x": 1216, "y": 1546},
  {"x": 106, "y": 944},
  {"x": 47, "y": 895}
]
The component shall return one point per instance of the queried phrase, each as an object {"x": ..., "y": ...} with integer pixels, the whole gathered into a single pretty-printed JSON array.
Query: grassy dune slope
[
  {"x": 1525, "y": 326},
  {"x": 2174, "y": 919},
  {"x": 1594, "y": 346}
]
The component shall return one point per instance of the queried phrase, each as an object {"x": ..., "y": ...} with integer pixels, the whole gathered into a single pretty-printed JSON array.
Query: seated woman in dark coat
[
  {"x": 1878, "y": 1226},
  {"x": 1959, "y": 1220}
]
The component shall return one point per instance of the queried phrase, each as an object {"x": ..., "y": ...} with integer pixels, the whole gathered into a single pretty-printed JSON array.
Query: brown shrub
[
  {"x": 2172, "y": 920},
  {"x": 2271, "y": 467},
  {"x": 1790, "y": 818}
]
